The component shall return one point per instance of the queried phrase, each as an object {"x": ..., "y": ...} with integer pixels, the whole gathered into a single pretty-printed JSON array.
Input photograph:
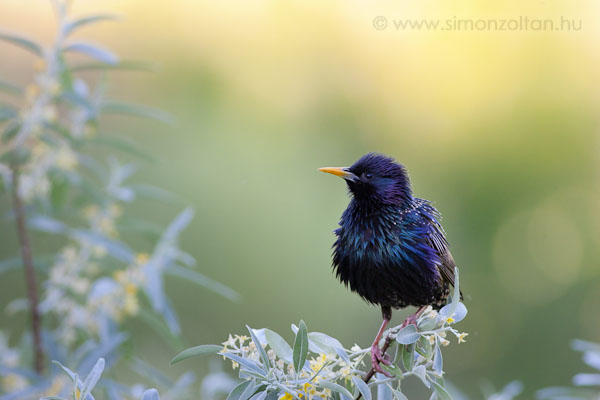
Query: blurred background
[{"x": 499, "y": 128}]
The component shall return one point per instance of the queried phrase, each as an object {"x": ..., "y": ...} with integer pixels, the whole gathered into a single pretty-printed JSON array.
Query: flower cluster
[{"x": 320, "y": 370}]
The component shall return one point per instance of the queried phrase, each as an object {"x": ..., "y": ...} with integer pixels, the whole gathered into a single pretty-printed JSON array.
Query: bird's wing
[{"x": 437, "y": 240}]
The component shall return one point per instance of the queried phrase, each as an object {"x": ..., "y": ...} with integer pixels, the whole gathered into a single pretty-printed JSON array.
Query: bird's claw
[
  {"x": 411, "y": 320},
  {"x": 378, "y": 357}
]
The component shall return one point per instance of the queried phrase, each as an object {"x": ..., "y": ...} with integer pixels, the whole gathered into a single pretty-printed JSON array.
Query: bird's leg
[
  {"x": 412, "y": 319},
  {"x": 377, "y": 355}
]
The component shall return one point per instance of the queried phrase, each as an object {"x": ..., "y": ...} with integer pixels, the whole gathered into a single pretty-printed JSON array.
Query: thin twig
[
  {"x": 388, "y": 340},
  {"x": 32, "y": 291}
]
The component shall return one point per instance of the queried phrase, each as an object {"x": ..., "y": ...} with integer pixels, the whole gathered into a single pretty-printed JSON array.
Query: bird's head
[{"x": 375, "y": 179}]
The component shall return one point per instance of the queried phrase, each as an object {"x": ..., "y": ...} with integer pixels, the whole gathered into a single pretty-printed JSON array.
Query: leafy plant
[
  {"x": 319, "y": 366},
  {"x": 96, "y": 281}
]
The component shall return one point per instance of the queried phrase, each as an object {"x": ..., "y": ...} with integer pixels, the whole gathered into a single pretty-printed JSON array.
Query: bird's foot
[
  {"x": 378, "y": 357},
  {"x": 411, "y": 320}
]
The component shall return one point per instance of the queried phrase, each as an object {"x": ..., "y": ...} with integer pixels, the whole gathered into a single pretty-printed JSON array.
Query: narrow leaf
[
  {"x": 71, "y": 374},
  {"x": 362, "y": 387},
  {"x": 438, "y": 360},
  {"x": 336, "y": 388},
  {"x": 201, "y": 350},
  {"x": 150, "y": 394},
  {"x": 259, "y": 348},
  {"x": 93, "y": 51},
  {"x": 421, "y": 373},
  {"x": 22, "y": 42},
  {"x": 442, "y": 393},
  {"x": 87, "y": 20},
  {"x": 300, "y": 347},
  {"x": 248, "y": 365},
  {"x": 204, "y": 281},
  {"x": 408, "y": 356},
  {"x": 243, "y": 391},
  {"x": 279, "y": 346},
  {"x": 92, "y": 378},
  {"x": 325, "y": 343}
]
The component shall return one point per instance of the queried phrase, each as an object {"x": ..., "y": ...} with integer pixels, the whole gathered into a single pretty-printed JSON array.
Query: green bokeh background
[{"x": 500, "y": 129}]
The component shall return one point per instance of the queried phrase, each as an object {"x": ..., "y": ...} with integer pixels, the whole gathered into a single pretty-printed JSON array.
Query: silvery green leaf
[
  {"x": 260, "y": 395},
  {"x": 424, "y": 347},
  {"x": 335, "y": 387},
  {"x": 70, "y": 26},
  {"x": 592, "y": 359},
  {"x": 283, "y": 389},
  {"x": 392, "y": 369},
  {"x": 150, "y": 394},
  {"x": 72, "y": 375},
  {"x": 362, "y": 387},
  {"x": 115, "y": 249},
  {"x": 421, "y": 373},
  {"x": 441, "y": 392},
  {"x": 281, "y": 348},
  {"x": 324, "y": 343},
  {"x": 460, "y": 312},
  {"x": 408, "y": 335},
  {"x": 300, "y": 347},
  {"x": 384, "y": 392},
  {"x": 245, "y": 363},
  {"x": 204, "y": 281},
  {"x": 438, "y": 361},
  {"x": 566, "y": 393},
  {"x": 177, "y": 225},
  {"x": 582, "y": 345},
  {"x": 242, "y": 391},
  {"x": 22, "y": 42},
  {"x": 586, "y": 380},
  {"x": 512, "y": 389},
  {"x": 398, "y": 395},
  {"x": 456, "y": 294},
  {"x": 114, "y": 107},
  {"x": 90, "y": 381},
  {"x": 343, "y": 355},
  {"x": 201, "y": 350},
  {"x": 93, "y": 51},
  {"x": 408, "y": 356},
  {"x": 170, "y": 317},
  {"x": 79, "y": 101},
  {"x": 259, "y": 348}
]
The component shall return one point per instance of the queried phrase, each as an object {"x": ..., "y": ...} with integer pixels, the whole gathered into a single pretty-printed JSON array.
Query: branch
[
  {"x": 388, "y": 340},
  {"x": 32, "y": 291}
]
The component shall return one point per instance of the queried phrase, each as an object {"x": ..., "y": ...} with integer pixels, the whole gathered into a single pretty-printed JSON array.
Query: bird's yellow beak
[{"x": 339, "y": 171}]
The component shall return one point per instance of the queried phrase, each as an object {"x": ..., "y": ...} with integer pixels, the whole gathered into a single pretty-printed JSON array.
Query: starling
[{"x": 391, "y": 248}]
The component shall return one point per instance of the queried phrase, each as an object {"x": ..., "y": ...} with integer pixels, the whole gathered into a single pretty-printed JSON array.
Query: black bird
[{"x": 391, "y": 248}]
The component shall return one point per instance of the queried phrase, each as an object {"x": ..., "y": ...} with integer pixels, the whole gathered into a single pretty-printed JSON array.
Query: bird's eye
[{"x": 368, "y": 176}]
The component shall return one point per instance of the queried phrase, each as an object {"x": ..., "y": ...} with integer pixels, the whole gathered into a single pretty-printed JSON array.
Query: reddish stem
[{"x": 32, "y": 291}]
